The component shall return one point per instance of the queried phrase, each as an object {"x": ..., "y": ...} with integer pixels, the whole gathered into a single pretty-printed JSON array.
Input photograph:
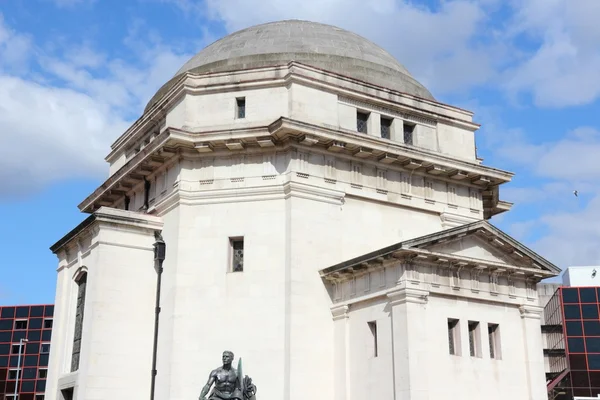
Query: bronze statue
[{"x": 228, "y": 383}]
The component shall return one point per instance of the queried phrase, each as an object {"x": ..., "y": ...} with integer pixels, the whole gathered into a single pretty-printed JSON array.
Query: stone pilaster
[
  {"x": 530, "y": 316},
  {"x": 409, "y": 342},
  {"x": 340, "y": 351}
]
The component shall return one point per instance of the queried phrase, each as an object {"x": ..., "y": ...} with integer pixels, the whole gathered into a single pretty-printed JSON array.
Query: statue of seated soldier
[{"x": 228, "y": 382}]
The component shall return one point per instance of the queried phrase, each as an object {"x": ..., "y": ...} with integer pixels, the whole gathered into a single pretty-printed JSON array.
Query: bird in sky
[{"x": 576, "y": 193}]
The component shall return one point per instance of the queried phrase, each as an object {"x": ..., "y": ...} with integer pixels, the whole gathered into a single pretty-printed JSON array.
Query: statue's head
[{"x": 227, "y": 357}]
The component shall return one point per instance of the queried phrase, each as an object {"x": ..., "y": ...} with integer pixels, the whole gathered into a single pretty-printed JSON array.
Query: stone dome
[{"x": 319, "y": 45}]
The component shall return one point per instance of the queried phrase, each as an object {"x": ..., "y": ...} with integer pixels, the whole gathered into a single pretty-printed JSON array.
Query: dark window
[
  {"x": 127, "y": 201},
  {"x": 34, "y": 336},
  {"x": 386, "y": 127},
  {"x": 3, "y": 361},
  {"x": 21, "y": 324},
  {"x": 8, "y": 312},
  {"x": 584, "y": 392},
  {"x": 32, "y": 348},
  {"x": 42, "y": 373},
  {"x": 589, "y": 311},
  {"x": 36, "y": 311},
  {"x": 15, "y": 349},
  {"x": 473, "y": 338},
  {"x": 580, "y": 379},
  {"x": 46, "y": 335},
  {"x": 237, "y": 255},
  {"x": 39, "y": 397},
  {"x": 82, "y": 282},
  {"x": 6, "y": 324},
  {"x": 35, "y": 323},
  {"x": 572, "y": 312},
  {"x": 241, "y": 107},
  {"x": 49, "y": 311},
  {"x": 362, "y": 122},
  {"x": 31, "y": 361},
  {"x": 574, "y": 328},
  {"x": 594, "y": 361},
  {"x": 5, "y": 349},
  {"x": 48, "y": 323},
  {"x": 595, "y": 379},
  {"x": 22, "y": 312},
  {"x": 45, "y": 348},
  {"x": 592, "y": 344},
  {"x": 12, "y": 374},
  {"x": 41, "y": 386},
  {"x": 67, "y": 394},
  {"x": 373, "y": 329},
  {"x": 570, "y": 296},
  {"x": 576, "y": 345},
  {"x": 591, "y": 328},
  {"x": 44, "y": 360},
  {"x": 408, "y": 133},
  {"x": 453, "y": 336},
  {"x": 5, "y": 336},
  {"x": 18, "y": 335},
  {"x": 588, "y": 295},
  {"x": 27, "y": 386},
  {"x": 13, "y": 361},
  {"x": 29, "y": 373}
]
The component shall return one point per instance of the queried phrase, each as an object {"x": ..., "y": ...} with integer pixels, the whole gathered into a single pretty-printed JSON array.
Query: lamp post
[
  {"x": 160, "y": 249},
  {"x": 19, "y": 369}
]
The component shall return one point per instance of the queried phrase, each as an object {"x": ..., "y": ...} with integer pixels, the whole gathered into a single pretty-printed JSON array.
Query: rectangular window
[
  {"x": 240, "y": 105},
  {"x": 373, "y": 329},
  {"x": 474, "y": 341},
  {"x": 408, "y": 133},
  {"x": 12, "y": 374},
  {"x": 362, "y": 122},
  {"x": 42, "y": 373},
  {"x": 453, "y": 337},
  {"x": 20, "y": 324},
  {"x": 45, "y": 349},
  {"x": 48, "y": 323},
  {"x": 494, "y": 339},
  {"x": 237, "y": 254},
  {"x": 16, "y": 349},
  {"x": 39, "y": 397},
  {"x": 386, "y": 127}
]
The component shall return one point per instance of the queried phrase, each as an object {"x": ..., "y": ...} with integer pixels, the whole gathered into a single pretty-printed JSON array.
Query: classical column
[
  {"x": 409, "y": 343},
  {"x": 530, "y": 316},
  {"x": 340, "y": 351}
]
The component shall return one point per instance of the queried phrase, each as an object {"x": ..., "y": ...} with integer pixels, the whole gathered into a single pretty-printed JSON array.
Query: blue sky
[{"x": 75, "y": 73}]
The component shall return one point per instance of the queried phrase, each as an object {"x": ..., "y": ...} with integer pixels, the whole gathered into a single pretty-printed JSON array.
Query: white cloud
[{"x": 59, "y": 121}]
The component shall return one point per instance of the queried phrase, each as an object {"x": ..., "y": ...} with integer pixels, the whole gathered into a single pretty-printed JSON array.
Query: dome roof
[{"x": 322, "y": 46}]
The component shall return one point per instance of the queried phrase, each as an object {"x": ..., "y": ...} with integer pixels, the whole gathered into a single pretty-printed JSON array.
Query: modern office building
[
  {"x": 571, "y": 330},
  {"x": 325, "y": 218},
  {"x": 25, "y": 336}
]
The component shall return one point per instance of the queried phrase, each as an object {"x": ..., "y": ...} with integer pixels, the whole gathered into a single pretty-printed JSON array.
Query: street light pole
[
  {"x": 19, "y": 369},
  {"x": 159, "y": 257}
]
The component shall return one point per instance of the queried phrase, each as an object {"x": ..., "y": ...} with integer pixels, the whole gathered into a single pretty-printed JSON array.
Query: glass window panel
[
  {"x": 572, "y": 312},
  {"x": 574, "y": 328},
  {"x": 13, "y": 361},
  {"x": 595, "y": 379},
  {"x": 29, "y": 373},
  {"x": 577, "y": 362},
  {"x": 32, "y": 348},
  {"x": 18, "y": 335},
  {"x": 386, "y": 127},
  {"x": 6, "y": 324},
  {"x": 592, "y": 345},
  {"x": 5, "y": 336},
  {"x": 34, "y": 336},
  {"x": 46, "y": 335},
  {"x": 576, "y": 345},
  {"x": 588, "y": 295},
  {"x": 570, "y": 295},
  {"x": 49, "y": 311},
  {"x": 22, "y": 312},
  {"x": 583, "y": 392},
  {"x": 589, "y": 311},
  {"x": 3, "y": 361},
  {"x": 41, "y": 386},
  {"x": 362, "y": 120},
  {"x": 31, "y": 361},
  {"x": 591, "y": 328},
  {"x": 5, "y": 349},
  {"x": 594, "y": 361},
  {"x": 36, "y": 311},
  {"x": 8, "y": 312},
  {"x": 35, "y": 323},
  {"x": 44, "y": 360},
  {"x": 28, "y": 386},
  {"x": 580, "y": 379}
]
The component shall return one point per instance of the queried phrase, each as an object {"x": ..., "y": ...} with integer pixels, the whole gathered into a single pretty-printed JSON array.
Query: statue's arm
[{"x": 206, "y": 388}]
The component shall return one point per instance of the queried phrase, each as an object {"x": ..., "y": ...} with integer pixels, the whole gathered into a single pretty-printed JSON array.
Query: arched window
[{"x": 81, "y": 280}]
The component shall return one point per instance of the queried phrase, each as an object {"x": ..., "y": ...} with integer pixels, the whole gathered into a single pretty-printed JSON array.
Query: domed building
[{"x": 324, "y": 218}]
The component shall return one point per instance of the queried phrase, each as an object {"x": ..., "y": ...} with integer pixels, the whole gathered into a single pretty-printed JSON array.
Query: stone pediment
[
  {"x": 478, "y": 245},
  {"x": 480, "y": 241}
]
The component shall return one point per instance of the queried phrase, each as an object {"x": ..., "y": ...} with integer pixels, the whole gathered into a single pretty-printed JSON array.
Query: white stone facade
[{"x": 305, "y": 191}]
